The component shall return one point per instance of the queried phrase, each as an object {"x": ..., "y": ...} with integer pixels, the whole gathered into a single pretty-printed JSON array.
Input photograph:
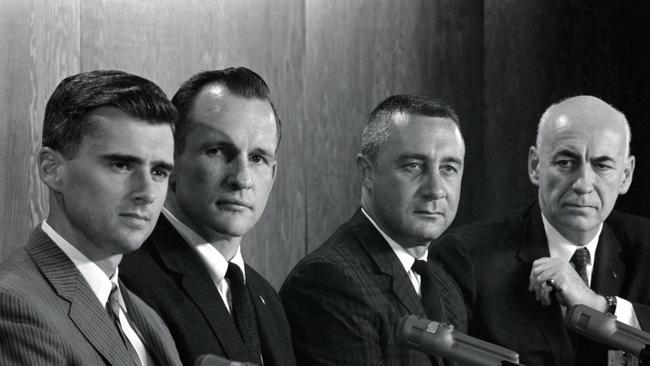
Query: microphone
[
  {"x": 441, "y": 339},
  {"x": 213, "y": 360},
  {"x": 604, "y": 328}
]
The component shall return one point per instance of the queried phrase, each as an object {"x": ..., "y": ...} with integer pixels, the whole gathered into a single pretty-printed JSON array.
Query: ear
[
  {"x": 533, "y": 165},
  {"x": 366, "y": 169},
  {"x": 274, "y": 168},
  {"x": 172, "y": 181},
  {"x": 628, "y": 172},
  {"x": 51, "y": 165}
]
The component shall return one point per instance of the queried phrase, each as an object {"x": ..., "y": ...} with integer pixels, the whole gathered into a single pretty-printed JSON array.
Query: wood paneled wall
[{"x": 328, "y": 63}]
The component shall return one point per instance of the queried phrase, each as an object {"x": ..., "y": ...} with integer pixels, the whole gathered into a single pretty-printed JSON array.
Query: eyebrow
[
  {"x": 136, "y": 160},
  {"x": 446, "y": 159},
  {"x": 575, "y": 155}
]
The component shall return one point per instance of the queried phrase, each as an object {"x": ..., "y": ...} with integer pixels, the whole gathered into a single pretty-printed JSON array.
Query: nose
[
  {"x": 239, "y": 176},
  {"x": 433, "y": 188},
  {"x": 144, "y": 188},
  {"x": 584, "y": 182}
]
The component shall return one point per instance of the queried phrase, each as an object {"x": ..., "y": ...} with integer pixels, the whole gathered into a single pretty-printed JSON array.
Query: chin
[{"x": 234, "y": 229}]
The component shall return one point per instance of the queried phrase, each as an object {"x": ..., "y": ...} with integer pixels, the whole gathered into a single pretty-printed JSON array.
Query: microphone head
[{"x": 604, "y": 328}]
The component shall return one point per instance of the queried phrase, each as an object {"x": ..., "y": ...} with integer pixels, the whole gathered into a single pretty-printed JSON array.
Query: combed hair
[
  {"x": 379, "y": 126},
  {"x": 547, "y": 112},
  {"x": 239, "y": 81},
  {"x": 65, "y": 123}
]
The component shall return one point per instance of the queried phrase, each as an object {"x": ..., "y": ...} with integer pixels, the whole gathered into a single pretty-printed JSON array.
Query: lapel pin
[
  {"x": 614, "y": 275},
  {"x": 261, "y": 298}
]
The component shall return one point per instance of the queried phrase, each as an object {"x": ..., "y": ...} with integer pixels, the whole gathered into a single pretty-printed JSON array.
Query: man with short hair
[
  {"x": 106, "y": 157},
  {"x": 521, "y": 272},
  {"x": 191, "y": 269},
  {"x": 345, "y": 300}
]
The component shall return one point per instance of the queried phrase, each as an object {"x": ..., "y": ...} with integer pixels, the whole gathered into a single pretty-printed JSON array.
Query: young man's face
[
  {"x": 111, "y": 192},
  {"x": 226, "y": 171}
]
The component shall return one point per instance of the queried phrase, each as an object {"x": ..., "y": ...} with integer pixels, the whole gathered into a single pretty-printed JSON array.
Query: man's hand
[{"x": 568, "y": 287}]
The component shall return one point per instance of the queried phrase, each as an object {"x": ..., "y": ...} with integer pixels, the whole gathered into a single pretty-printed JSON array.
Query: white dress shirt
[
  {"x": 101, "y": 286},
  {"x": 213, "y": 260},
  {"x": 560, "y": 247},
  {"x": 404, "y": 257}
]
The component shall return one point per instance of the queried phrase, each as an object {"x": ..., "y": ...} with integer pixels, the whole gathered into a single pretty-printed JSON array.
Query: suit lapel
[
  {"x": 178, "y": 256},
  {"x": 609, "y": 269},
  {"x": 265, "y": 322},
  {"x": 143, "y": 328},
  {"x": 548, "y": 318},
  {"x": 85, "y": 311},
  {"x": 387, "y": 262}
]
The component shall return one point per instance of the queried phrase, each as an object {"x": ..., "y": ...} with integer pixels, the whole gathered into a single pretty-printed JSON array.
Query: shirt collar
[
  {"x": 99, "y": 283},
  {"x": 404, "y": 257},
  {"x": 561, "y": 247},
  {"x": 215, "y": 262}
]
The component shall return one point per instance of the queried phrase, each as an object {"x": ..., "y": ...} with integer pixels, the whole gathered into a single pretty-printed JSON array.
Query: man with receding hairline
[
  {"x": 345, "y": 300},
  {"x": 521, "y": 272},
  {"x": 191, "y": 269}
]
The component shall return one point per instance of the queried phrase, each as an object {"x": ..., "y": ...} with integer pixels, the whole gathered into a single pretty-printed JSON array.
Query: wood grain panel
[
  {"x": 359, "y": 53},
  {"x": 536, "y": 53},
  {"x": 167, "y": 41},
  {"x": 39, "y": 45}
]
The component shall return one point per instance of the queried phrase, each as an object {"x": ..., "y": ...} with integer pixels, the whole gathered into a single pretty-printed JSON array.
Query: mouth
[
  {"x": 428, "y": 213},
  {"x": 579, "y": 206},
  {"x": 233, "y": 204},
  {"x": 136, "y": 216}
]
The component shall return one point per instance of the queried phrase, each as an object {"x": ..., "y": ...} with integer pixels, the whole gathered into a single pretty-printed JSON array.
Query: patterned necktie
[
  {"x": 430, "y": 291},
  {"x": 113, "y": 308},
  {"x": 243, "y": 312},
  {"x": 580, "y": 260}
]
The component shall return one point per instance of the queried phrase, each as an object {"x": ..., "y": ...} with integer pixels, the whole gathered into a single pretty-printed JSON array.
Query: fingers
[{"x": 542, "y": 279}]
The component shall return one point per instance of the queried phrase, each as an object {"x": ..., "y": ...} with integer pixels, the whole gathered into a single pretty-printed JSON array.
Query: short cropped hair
[
  {"x": 380, "y": 124},
  {"x": 65, "y": 123},
  {"x": 239, "y": 81}
]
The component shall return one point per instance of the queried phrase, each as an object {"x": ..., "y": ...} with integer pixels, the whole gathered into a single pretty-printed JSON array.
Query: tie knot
[
  {"x": 581, "y": 258},
  {"x": 234, "y": 273},
  {"x": 420, "y": 267}
]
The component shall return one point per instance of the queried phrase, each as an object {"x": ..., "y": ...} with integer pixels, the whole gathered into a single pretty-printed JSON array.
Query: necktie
[
  {"x": 113, "y": 307},
  {"x": 580, "y": 260},
  {"x": 243, "y": 312},
  {"x": 430, "y": 291}
]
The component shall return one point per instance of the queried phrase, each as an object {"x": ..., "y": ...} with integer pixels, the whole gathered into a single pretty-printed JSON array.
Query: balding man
[{"x": 570, "y": 238}]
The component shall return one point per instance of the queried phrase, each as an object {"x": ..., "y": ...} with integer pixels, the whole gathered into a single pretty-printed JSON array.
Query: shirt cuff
[{"x": 625, "y": 313}]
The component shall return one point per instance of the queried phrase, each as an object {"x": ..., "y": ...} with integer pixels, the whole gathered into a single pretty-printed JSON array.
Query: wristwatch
[{"x": 611, "y": 304}]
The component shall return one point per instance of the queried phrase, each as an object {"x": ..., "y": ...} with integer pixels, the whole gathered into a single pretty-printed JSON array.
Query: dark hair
[
  {"x": 65, "y": 123},
  {"x": 238, "y": 80},
  {"x": 379, "y": 125}
]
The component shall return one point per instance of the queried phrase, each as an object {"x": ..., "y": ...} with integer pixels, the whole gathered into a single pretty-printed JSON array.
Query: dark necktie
[
  {"x": 430, "y": 290},
  {"x": 113, "y": 307},
  {"x": 243, "y": 312},
  {"x": 580, "y": 260}
]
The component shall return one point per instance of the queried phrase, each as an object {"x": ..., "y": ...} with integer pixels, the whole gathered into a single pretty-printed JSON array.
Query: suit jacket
[
  {"x": 345, "y": 300},
  {"x": 167, "y": 274},
  {"x": 50, "y": 316},
  {"x": 492, "y": 262}
]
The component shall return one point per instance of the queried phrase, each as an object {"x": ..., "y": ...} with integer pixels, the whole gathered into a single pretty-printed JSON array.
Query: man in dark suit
[
  {"x": 520, "y": 272},
  {"x": 106, "y": 157},
  {"x": 345, "y": 300},
  {"x": 191, "y": 269}
]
